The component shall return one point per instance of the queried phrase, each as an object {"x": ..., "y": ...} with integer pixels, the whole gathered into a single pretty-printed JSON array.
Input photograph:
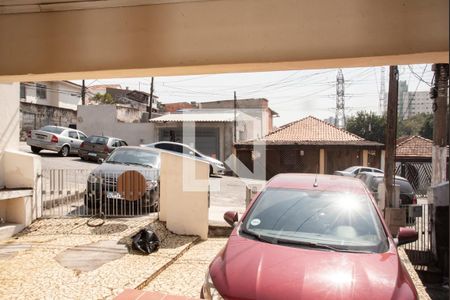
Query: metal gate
[
  {"x": 420, "y": 252},
  {"x": 417, "y": 173},
  {"x": 77, "y": 193}
]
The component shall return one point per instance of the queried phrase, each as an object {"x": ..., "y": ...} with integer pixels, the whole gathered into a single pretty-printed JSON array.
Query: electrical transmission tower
[
  {"x": 382, "y": 103},
  {"x": 340, "y": 101}
]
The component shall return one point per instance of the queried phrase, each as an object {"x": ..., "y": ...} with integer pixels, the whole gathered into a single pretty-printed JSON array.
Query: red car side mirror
[
  {"x": 231, "y": 217},
  {"x": 406, "y": 235}
]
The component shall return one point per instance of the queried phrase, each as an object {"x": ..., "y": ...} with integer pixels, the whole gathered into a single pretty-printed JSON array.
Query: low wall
[
  {"x": 23, "y": 170},
  {"x": 35, "y": 116},
  {"x": 102, "y": 120},
  {"x": 184, "y": 194}
]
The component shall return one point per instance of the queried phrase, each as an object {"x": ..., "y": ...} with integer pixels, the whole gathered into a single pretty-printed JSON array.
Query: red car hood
[{"x": 249, "y": 269}]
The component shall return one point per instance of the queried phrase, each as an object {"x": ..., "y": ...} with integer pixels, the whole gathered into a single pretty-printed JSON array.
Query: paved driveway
[{"x": 51, "y": 160}]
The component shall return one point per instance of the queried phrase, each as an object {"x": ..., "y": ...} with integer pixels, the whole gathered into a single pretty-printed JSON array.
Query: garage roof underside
[{"x": 156, "y": 38}]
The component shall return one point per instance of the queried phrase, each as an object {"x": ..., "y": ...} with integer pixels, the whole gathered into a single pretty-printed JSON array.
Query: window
[
  {"x": 188, "y": 151},
  {"x": 98, "y": 140},
  {"x": 177, "y": 148},
  {"x": 52, "y": 129},
  {"x": 116, "y": 143},
  {"x": 163, "y": 146},
  {"x": 82, "y": 136},
  {"x": 41, "y": 91},
  {"x": 73, "y": 135},
  {"x": 23, "y": 91},
  {"x": 345, "y": 221},
  {"x": 123, "y": 143}
]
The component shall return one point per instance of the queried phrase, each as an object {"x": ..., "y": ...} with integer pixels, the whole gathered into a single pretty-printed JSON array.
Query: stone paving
[
  {"x": 29, "y": 270},
  {"x": 186, "y": 275}
]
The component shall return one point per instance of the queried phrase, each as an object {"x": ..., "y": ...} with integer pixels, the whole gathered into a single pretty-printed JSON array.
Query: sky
[{"x": 292, "y": 94}]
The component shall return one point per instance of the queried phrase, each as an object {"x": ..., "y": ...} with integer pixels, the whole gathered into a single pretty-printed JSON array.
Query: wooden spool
[{"x": 131, "y": 185}]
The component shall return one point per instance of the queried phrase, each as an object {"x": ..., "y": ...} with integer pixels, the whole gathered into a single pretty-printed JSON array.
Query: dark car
[
  {"x": 98, "y": 148},
  {"x": 372, "y": 180},
  {"x": 310, "y": 236},
  {"x": 103, "y": 184}
]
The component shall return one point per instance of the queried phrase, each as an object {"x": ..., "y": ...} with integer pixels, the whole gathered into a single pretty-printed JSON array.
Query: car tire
[
  {"x": 64, "y": 151},
  {"x": 83, "y": 158},
  {"x": 35, "y": 150}
]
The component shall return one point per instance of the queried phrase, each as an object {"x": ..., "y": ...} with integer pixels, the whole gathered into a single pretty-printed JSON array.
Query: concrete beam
[{"x": 221, "y": 36}]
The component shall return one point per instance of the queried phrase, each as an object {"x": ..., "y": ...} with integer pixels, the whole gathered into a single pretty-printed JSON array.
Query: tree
[
  {"x": 420, "y": 124},
  {"x": 367, "y": 125},
  {"x": 427, "y": 128},
  {"x": 104, "y": 98}
]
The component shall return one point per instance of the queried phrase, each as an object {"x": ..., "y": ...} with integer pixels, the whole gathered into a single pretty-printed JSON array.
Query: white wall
[
  {"x": 17, "y": 169},
  {"x": 69, "y": 95},
  {"x": 102, "y": 120},
  {"x": 9, "y": 121},
  {"x": 58, "y": 94},
  {"x": 184, "y": 194}
]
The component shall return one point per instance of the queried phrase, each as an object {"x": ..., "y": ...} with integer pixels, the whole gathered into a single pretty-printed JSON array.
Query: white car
[
  {"x": 215, "y": 166},
  {"x": 63, "y": 140},
  {"x": 355, "y": 170}
]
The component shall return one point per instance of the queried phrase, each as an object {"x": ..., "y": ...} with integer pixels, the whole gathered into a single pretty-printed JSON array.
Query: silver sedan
[{"x": 63, "y": 140}]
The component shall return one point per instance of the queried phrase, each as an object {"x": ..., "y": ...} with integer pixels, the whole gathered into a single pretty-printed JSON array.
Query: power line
[{"x": 417, "y": 75}]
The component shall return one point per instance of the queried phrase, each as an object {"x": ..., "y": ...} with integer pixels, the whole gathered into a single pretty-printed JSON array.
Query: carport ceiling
[{"x": 34, "y": 6}]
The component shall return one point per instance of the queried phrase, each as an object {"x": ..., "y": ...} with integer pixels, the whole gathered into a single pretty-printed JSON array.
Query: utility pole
[
  {"x": 235, "y": 118},
  {"x": 440, "y": 211},
  {"x": 151, "y": 100},
  {"x": 439, "y": 96},
  {"x": 83, "y": 93},
  {"x": 391, "y": 135}
]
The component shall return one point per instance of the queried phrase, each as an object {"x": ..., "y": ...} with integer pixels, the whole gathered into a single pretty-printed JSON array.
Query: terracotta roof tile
[
  {"x": 311, "y": 129},
  {"x": 414, "y": 146}
]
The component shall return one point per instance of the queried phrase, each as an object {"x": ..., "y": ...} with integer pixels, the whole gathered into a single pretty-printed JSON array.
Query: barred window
[
  {"x": 41, "y": 91},
  {"x": 23, "y": 91}
]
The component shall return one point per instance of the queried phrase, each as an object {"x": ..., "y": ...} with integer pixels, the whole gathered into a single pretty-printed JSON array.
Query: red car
[{"x": 309, "y": 236}]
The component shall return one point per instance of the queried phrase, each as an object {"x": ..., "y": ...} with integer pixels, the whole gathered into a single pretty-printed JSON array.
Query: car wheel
[
  {"x": 35, "y": 150},
  {"x": 64, "y": 151},
  {"x": 83, "y": 158}
]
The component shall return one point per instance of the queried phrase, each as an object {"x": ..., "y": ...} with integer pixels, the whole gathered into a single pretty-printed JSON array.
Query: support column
[
  {"x": 365, "y": 157},
  {"x": 322, "y": 161},
  {"x": 382, "y": 159}
]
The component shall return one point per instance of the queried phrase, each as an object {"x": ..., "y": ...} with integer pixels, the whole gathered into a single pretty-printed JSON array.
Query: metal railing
[
  {"x": 76, "y": 192},
  {"x": 419, "y": 218}
]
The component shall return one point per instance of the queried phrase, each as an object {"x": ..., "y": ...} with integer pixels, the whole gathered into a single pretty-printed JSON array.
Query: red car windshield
[{"x": 343, "y": 221}]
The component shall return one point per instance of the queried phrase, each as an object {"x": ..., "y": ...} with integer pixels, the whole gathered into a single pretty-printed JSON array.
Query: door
[{"x": 74, "y": 141}]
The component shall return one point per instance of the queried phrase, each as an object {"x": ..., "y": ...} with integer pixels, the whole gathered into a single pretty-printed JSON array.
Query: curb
[{"x": 147, "y": 281}]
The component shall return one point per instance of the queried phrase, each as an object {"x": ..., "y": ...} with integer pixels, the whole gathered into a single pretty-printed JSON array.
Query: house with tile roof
[
  {"x": 311, "y": 145},
  {"x": 413, "y": 156}
]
